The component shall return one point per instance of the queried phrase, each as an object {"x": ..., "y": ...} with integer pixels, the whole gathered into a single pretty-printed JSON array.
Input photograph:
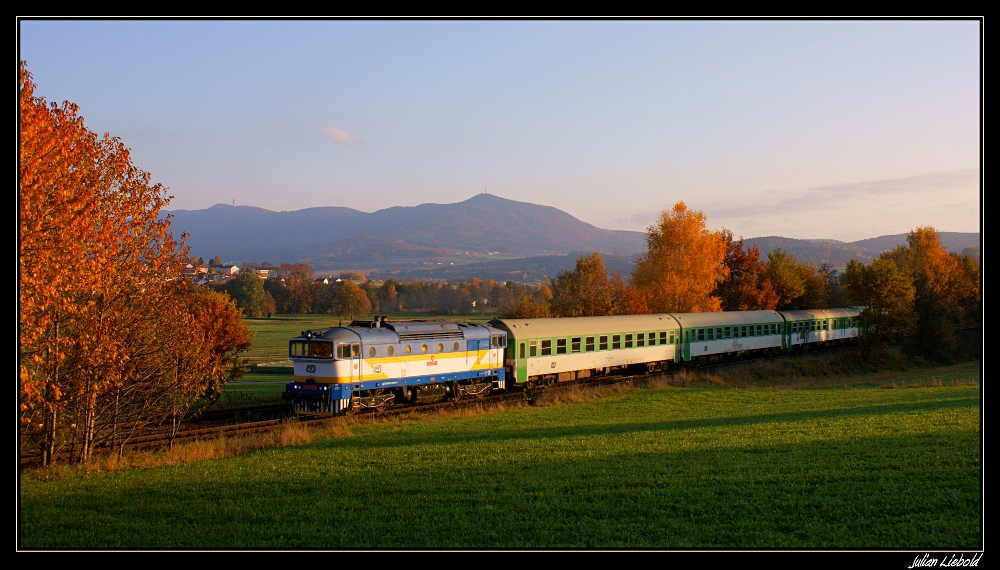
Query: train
[{"x": 377, "y": 363}]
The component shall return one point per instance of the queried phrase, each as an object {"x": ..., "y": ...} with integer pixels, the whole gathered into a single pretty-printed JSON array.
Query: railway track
[{"x": 251, "y": 419}]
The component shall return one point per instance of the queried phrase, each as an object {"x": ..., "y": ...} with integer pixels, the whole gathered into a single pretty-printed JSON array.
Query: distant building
[{"x": 226, "y": 269}]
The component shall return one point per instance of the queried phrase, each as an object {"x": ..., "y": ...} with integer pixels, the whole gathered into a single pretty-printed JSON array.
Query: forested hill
[
  {"x": 839, "y": 253},
  {"x": 481, "y": 225},
  {"x": 446, "y": 239}
]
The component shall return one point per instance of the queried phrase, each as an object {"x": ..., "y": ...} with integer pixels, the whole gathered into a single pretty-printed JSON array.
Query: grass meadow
[{"x": 855, "y": 461}]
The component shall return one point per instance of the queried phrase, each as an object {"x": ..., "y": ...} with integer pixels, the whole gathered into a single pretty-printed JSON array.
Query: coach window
[
  {"x": 711, "y": 334},
  {"x": 671, "y": 337},
  {"x": 743, "y": 331},
  {"x": 575, "y": 344},
  {"x": 603, "y": 345},
  {"x": 533, "y": 348},
  {"x": 590, "y": 344},
  {"x": 640, "y": 339},
  {"x": 729, "y": 332},
  {"x": 663, "y": 337},
  {"x": 560, "y": 346},
  {"x": 701, "y": 335},
  {"x": 616, "y": 341},
  {"x": 521, "y": 354},
  {"x": 546, "y": 348},
  {"x": 826, "y": 323},
  {"x": 628, "y": 341},
  {"x": 759, "y": 332}
]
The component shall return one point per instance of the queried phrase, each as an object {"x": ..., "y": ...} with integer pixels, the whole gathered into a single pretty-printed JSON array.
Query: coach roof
[{"x": 572, "y": 326}]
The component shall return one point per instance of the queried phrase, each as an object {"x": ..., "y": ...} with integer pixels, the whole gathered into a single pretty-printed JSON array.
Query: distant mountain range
[{"x": 485, "y": 236}]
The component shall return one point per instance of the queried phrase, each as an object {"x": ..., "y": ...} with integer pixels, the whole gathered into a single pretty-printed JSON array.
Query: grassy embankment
[{"x": 843, "y": 461}]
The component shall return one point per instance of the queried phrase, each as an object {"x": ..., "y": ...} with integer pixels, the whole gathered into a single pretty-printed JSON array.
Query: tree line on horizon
[{"x": 919, "y": 291}]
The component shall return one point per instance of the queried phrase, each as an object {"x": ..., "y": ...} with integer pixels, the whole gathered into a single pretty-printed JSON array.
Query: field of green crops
[{"x": 697, "y": 467}]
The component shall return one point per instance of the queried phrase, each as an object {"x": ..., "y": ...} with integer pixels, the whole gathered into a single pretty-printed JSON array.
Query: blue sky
[{"x": 806, "y": 129}]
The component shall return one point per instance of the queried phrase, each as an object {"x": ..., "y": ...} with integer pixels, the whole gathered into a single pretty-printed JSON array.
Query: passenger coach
[{"x": 549, "y": 350}]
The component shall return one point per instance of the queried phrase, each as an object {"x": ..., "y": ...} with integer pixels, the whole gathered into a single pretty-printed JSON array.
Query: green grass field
[{"x": 698, "y": 467}]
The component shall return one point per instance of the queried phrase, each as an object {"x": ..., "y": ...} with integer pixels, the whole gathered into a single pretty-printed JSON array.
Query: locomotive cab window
[
  {"x": 298, "y": 348},
  {"x": 356, "y": 350}
]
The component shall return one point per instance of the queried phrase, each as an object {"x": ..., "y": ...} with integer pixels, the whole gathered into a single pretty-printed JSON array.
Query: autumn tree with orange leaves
[
  {"x": 683, "y": 263},
  {"x": 108, "y": 335},
  {"x": 747, "y": 287}
]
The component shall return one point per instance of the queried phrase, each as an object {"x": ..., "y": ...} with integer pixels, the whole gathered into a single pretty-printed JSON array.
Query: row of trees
[
  {"x": 110, "y": 340},
  {"x": 919, "y": 292},
  {"x": 688, "y": 268},
  {"x": 919, "y": 288},
  {"x": 297, "y": 293}
]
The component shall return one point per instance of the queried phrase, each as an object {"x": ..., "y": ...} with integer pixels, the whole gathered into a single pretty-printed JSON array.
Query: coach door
[
  {"x": 522, "y": 363},
  {"x": 356, "y": 362}
]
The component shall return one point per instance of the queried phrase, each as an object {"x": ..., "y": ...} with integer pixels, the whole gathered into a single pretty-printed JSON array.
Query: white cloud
[
  {"x": 341, "y": 136},
  {"x": 948, "y": 200}
]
